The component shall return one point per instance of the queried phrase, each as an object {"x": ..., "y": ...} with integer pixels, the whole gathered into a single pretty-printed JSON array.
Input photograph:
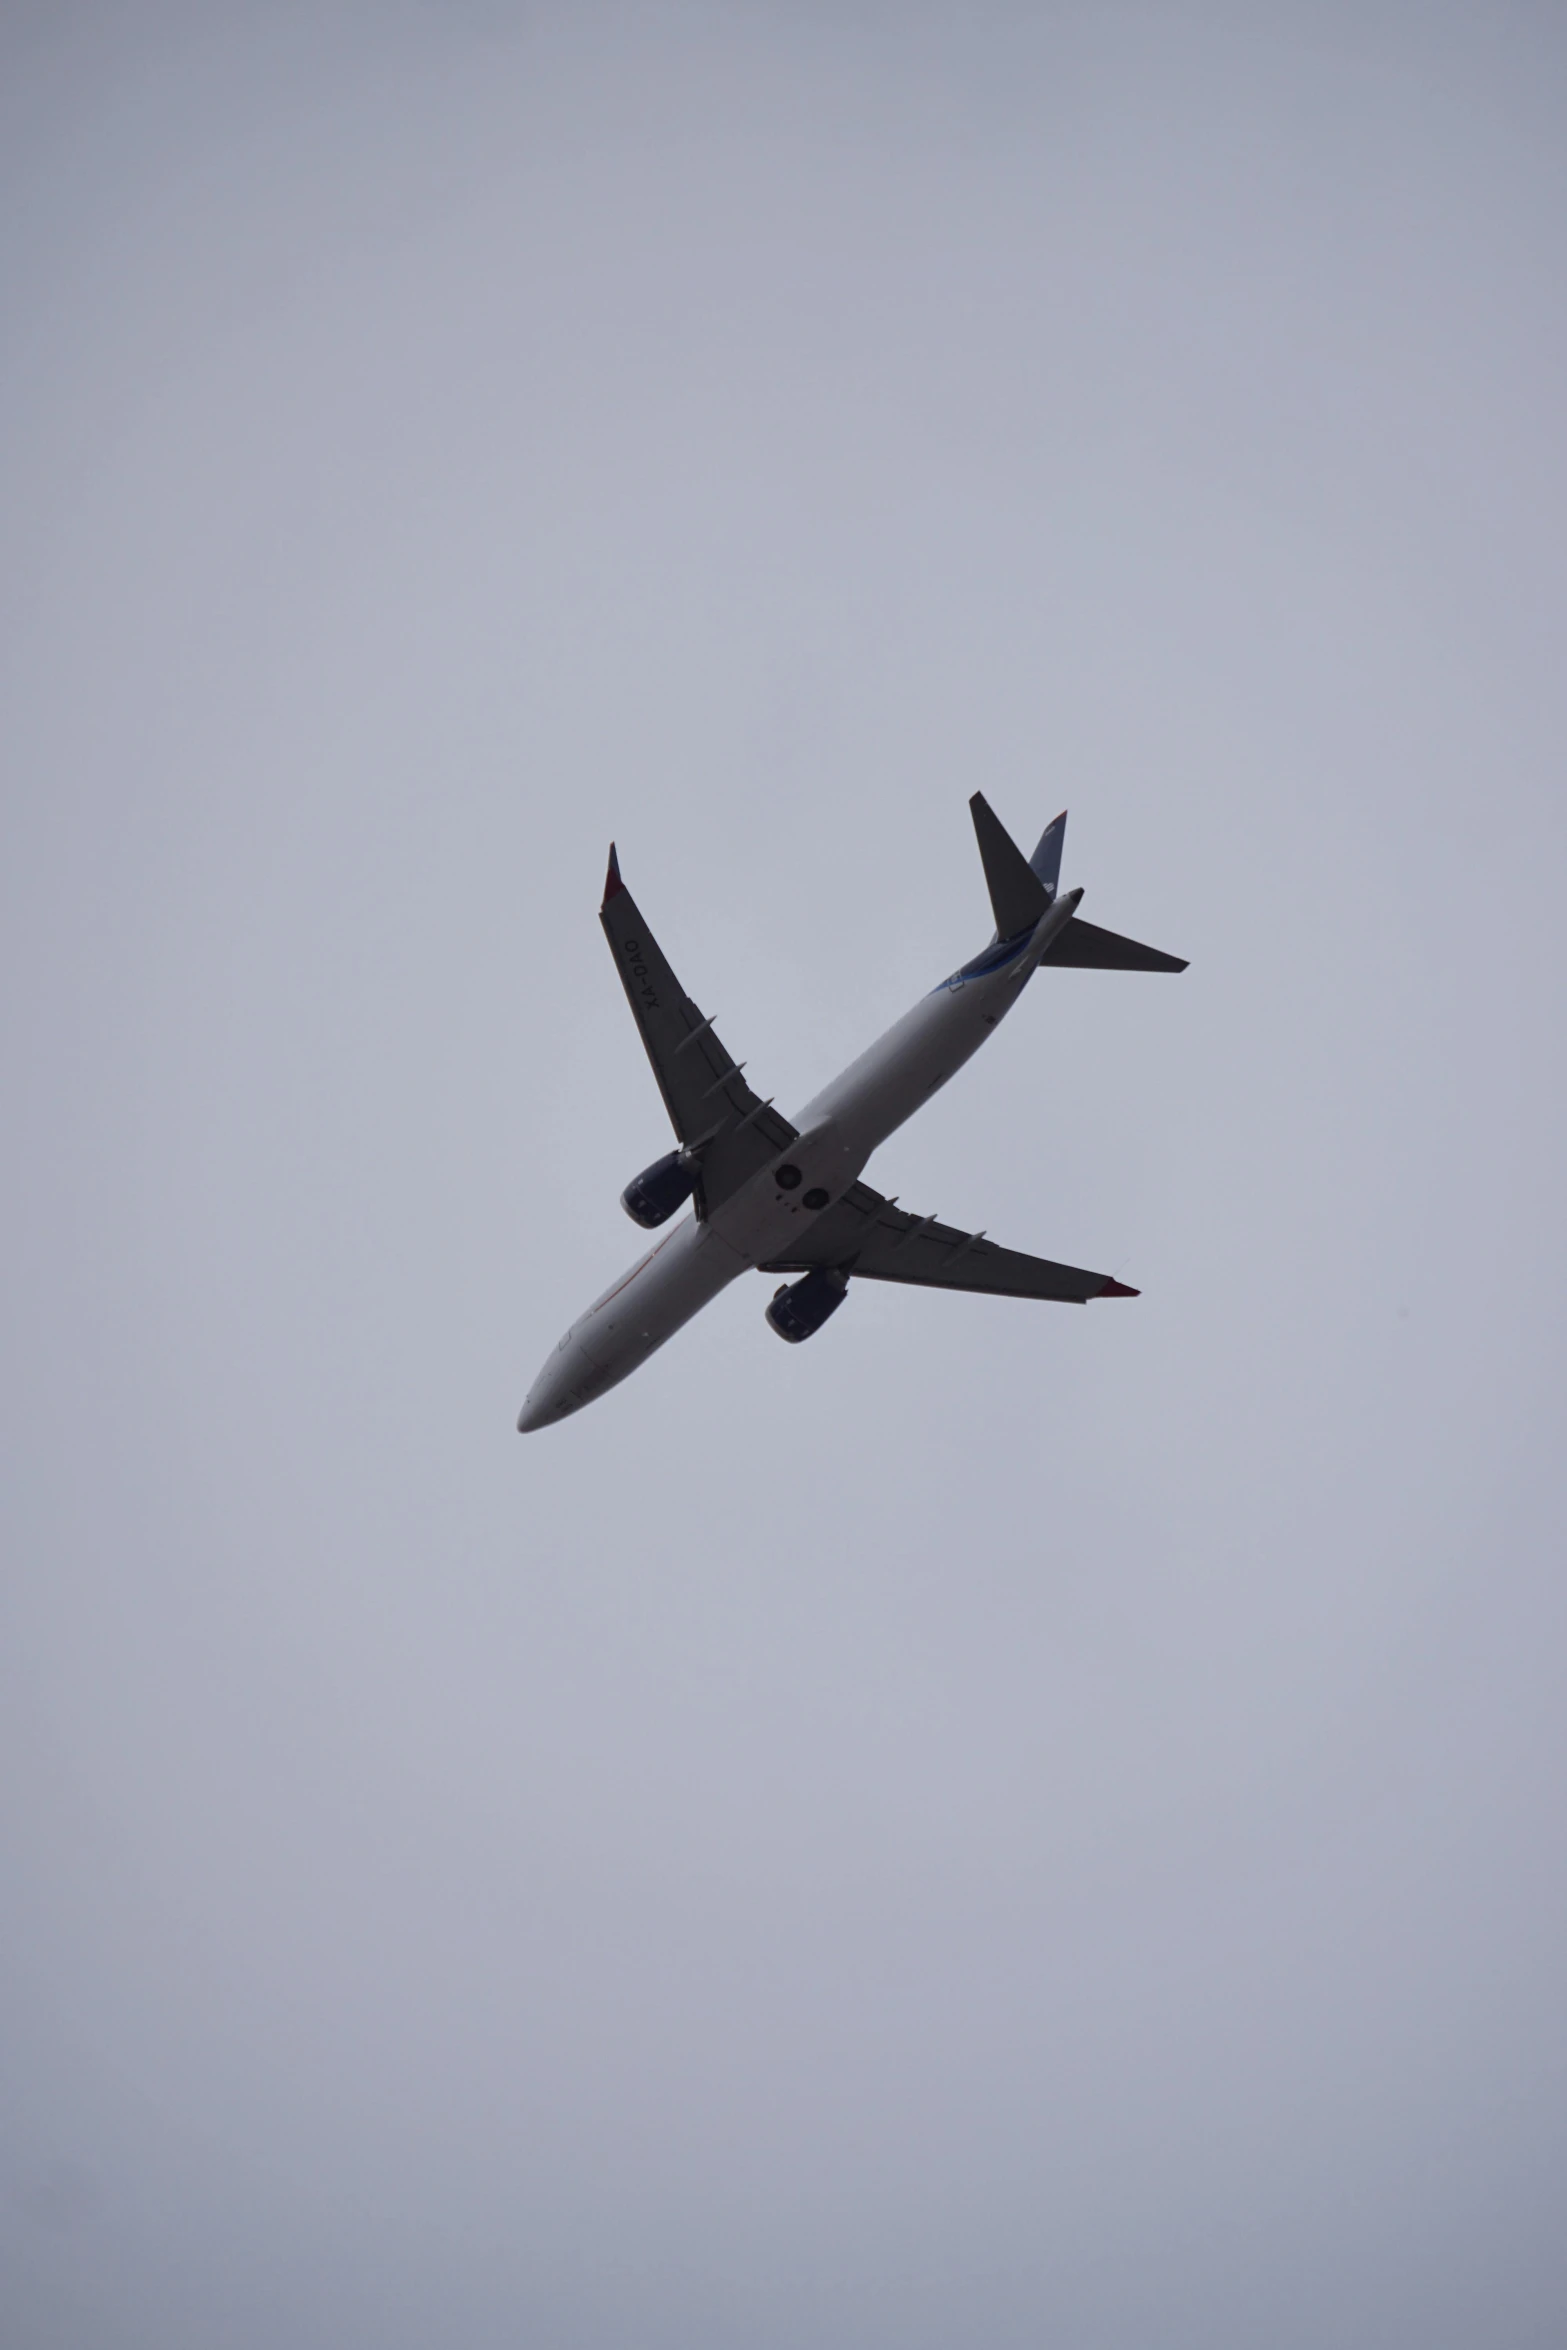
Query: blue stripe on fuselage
[{"x": 995, "y": 958}]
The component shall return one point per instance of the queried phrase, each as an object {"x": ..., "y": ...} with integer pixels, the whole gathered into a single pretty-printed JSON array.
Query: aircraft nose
[
  {"x": 550, "y": 1398},
  {"x": 539, "y": 1409},
  {"x": 565, "y": 1384}
]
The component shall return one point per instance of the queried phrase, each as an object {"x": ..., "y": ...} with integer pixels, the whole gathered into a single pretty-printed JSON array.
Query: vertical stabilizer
[
  {"x": 1017, "y": 895},
  {"x": 1046, "y": 859}
]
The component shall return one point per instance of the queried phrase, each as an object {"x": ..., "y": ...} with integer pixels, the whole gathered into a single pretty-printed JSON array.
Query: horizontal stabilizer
[
  {"x": 1083, "y": 946},
  {"x": 1017, "y": 895}
]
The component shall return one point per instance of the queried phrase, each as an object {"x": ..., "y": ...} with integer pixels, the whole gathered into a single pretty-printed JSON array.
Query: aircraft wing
[
  {"x": 875, "y": 1240},
  {"x": 731, "y": 1133}
]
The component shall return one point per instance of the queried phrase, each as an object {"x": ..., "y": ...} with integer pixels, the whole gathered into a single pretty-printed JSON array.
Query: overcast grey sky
[{"x": 1005, "y": 1825}]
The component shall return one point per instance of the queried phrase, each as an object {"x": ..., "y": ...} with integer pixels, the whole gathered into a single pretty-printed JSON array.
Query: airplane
[{"x": 787, "y": 1198}]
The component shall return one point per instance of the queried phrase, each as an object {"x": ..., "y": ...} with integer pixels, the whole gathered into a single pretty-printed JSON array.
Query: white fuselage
[{"x": 837, "y": 1133}]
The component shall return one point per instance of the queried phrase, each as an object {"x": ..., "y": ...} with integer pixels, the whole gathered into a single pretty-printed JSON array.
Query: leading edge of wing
[
  {"x": 873, "y": 1239},
  {"x": 728, "y": 1128}
]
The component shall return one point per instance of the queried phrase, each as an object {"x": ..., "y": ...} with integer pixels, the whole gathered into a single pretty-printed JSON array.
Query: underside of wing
[
  {"x": 729, "y": 1131},
  {"x": 875, "y": 1240}
]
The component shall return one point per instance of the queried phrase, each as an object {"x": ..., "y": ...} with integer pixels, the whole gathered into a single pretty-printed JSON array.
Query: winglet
[
  {"x": 613, "y": 885},
  {"x": 1115, "y": 1289}
]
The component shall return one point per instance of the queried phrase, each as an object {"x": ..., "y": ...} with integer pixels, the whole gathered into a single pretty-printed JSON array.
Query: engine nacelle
[
  {"x": 801, "y": 1307},
  {"x": 652, "y": 1197}
]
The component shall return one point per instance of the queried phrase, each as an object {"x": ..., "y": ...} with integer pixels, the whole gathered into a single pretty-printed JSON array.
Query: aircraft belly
[
  {"x": 760, "y": 1221},
  {"x": 881, "y": 1091},
  {"x": 670, "y": 1284},
  {"x": 837, "y": 1132}
]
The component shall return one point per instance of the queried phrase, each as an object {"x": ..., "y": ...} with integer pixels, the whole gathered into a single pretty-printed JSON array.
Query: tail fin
[
  {"x": 1018, "y": 895},
  {"x": 1046, "y": 859},
  {"x": 1022, "y": 888}
]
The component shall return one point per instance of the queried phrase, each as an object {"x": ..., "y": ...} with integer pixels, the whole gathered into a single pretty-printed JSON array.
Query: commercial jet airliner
[{"x": 787, "y": 1198}]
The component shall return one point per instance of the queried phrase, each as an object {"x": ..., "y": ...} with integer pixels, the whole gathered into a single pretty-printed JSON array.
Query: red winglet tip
[
  {"x": 613, "y": 885},
  {"x": 1117, "y": 1289}
]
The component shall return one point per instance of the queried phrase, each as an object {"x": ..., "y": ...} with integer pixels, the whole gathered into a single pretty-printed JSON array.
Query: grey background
[{"x": 1005, "y": 1825}]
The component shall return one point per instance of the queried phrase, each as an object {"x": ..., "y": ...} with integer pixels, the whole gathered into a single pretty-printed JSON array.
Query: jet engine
[
  {"x": 801, "y": 1307},
  {"x": 652, "y": 1197}
]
